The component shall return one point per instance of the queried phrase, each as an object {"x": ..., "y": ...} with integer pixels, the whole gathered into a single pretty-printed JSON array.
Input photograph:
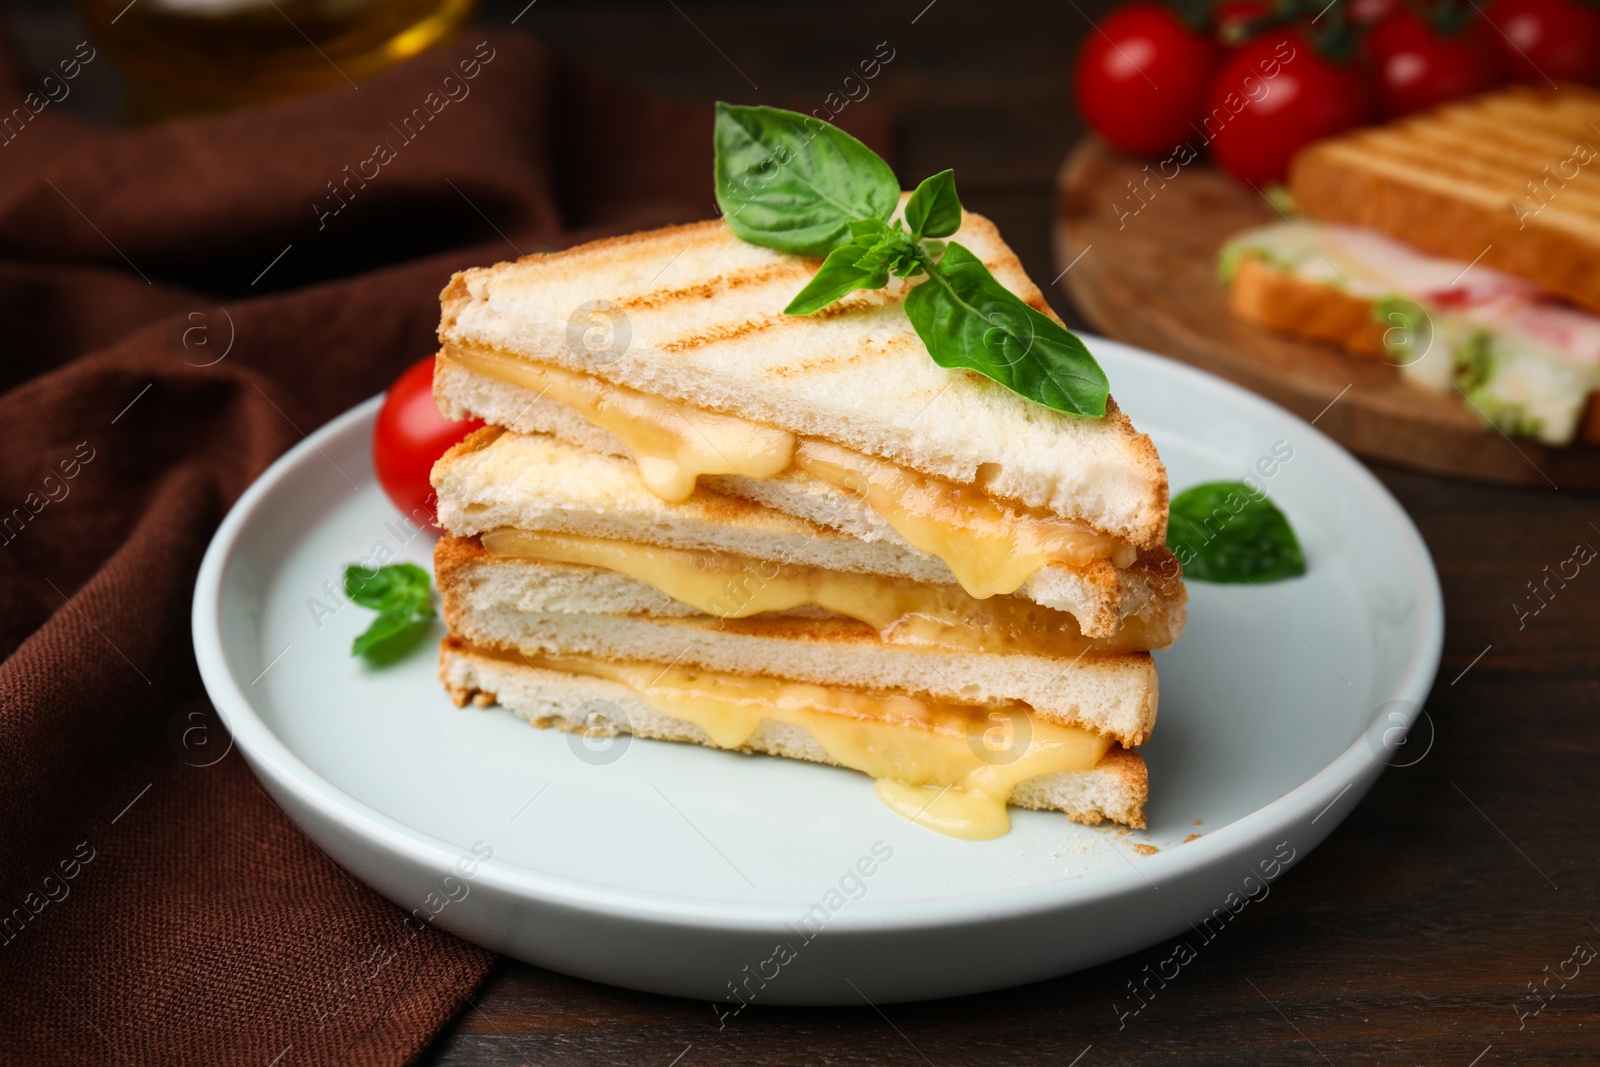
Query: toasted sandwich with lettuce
[{"x": 1455, "y": 245}]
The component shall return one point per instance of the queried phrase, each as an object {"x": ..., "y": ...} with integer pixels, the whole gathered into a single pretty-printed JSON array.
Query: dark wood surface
[
  {"x": 1412, "y": 934},
  {"x": 1144, "y": 271}
]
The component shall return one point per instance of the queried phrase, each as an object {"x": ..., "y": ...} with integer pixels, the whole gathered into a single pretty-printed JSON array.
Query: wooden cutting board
[{"x": 1143, "y": 270}]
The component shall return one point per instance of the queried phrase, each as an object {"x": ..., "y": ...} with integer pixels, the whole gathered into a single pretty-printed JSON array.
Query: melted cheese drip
[
  {"x": 673, "y": 444},
  {"x": 947, "y": 767},
  {"x": 731, "y": 586},
  {"x": 990, "y": 548}
]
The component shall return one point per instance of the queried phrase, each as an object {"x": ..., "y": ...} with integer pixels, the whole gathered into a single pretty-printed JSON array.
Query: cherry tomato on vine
[
  {"x": 1140, "y": 79},
  {"x": 1419, "y": 66},
  {"x": 1275, "y": 94},
  {"x": 1233, "y": 19},
  {"x": 1548, "y": 40},
  {"x": 408, "y": 437}
]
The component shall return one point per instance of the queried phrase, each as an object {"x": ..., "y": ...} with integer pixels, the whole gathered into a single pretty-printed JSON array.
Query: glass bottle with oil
[{"x": 185, "y": 56}]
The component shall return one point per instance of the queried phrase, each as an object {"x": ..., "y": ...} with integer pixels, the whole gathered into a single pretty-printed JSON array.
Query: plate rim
[{"x": 269, "y": 756}]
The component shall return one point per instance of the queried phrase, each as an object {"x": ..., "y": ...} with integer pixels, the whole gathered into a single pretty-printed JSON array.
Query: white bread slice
[
  {"x": 705, "y": 326},
  {"x": 540, "y": 482},
  {"x": 540, "y": 585},
  {"x": 531, "y": 607},
  {"x": 1115, "y": 789}
]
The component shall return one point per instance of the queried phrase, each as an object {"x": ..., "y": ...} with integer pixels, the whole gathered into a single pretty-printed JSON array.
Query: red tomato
[
  {"x": 410, "y": 434},
  {"x": 1367, "y": 12},
  {"x": 1273, "y": 95},
  {"x": 1548, "y": 40},
  {"x": 1141, "y": 78},
  {"x": 1419, "y": 67}
]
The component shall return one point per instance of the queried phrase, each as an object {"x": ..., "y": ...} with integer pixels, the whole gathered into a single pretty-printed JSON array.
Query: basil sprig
[
  {"x": 781, "y": 185},
  {"x": 797, "y": 184},
  {"x": 1229, "y": 532},
  {"x": 402, "y": 595}
]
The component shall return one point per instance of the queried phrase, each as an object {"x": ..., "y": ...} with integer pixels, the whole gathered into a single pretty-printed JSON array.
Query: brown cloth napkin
[{"x": 180, "y": 305}]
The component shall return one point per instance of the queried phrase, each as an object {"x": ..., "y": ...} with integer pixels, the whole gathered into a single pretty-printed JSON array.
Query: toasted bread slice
[
  {"x": 1512, "y": 177},
  {"x": 539, "y": 482},
  {"x": 702, "y": 314},
  {"x": 1314, "y": 310},
  {"x": 1115, "y": 789},
  {"x": 1282, "y": 301},
  {"x": 528, "y": 607}
]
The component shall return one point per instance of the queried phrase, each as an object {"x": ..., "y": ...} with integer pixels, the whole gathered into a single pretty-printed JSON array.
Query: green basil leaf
[
  {"x": 892, "y": 252},
  {"x": 841, "y": 275},
  {"x": 908, "y": 267},
  {"x": 1229, "y": 532},
  {"x": 934, "y": 210},
  {"x": 394, "y": 584},
  {"x": 969, "y": 320},
  {"x": 402, "y": 594},
  {"x": 795, "y": 183},
  {"x": 388, "y": 626},
  {"x": 396, "y": 643}
]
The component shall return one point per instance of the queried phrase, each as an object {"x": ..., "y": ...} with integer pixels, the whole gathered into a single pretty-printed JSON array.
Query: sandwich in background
[{"x": 1462, "y": 244}]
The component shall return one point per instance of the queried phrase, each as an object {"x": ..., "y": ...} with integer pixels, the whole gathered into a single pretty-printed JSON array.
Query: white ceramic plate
[{"x": 710, "y": 874}]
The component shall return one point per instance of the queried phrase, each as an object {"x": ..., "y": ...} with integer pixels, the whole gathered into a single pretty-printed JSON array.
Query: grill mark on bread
[
  {"x": 804, "y": 367},
  {"x": 1500, "y": 176},
  {"x": 659, "y": 299},
  {"x": 723, "y": 332}
]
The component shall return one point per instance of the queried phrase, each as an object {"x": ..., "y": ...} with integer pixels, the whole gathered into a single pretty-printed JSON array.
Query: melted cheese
[
  {"x": 947, "y": 767},
  {"x": 731, "y": 586},
  {"x": 991, "y": 548},
  {"x": 672, "y": 444}
]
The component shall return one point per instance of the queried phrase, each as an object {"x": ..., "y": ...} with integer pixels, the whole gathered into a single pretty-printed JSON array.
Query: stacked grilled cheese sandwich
[
  {"x": 1462, "y": 244},
  {"x": 695, "y": 518}
]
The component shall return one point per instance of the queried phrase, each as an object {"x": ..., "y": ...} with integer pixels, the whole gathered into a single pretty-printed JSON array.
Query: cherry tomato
[
  {"x": 1140, "y": 80},
  {"x": 1367, "y": 12},
  {"x": 409, "y": 435},
  {"x": 1274, "y": 95},
  {"x": 1548, "y": 40},
  {"x": 1420, "y": 67}
]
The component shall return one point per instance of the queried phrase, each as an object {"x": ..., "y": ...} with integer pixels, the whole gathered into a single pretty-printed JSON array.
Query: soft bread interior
[
  {"x": 520, "y": 605},
  {"x": 1115, "y": 789},
  {"x": 574, "y": 479}
]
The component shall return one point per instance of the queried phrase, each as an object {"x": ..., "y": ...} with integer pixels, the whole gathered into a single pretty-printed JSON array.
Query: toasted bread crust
[
  {"x": 1508, "y": 176},
  {"x": 525, "y": 607},
  {"x": 542, "y": 482},
  {"x": 1280, "y": 301},
  {"x": 1116, "y": 789},
  {"x": 456, "y": 557}
]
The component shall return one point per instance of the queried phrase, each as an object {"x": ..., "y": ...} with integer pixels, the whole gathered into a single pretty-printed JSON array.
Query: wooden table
[{"x": 1412, "y": 934}]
